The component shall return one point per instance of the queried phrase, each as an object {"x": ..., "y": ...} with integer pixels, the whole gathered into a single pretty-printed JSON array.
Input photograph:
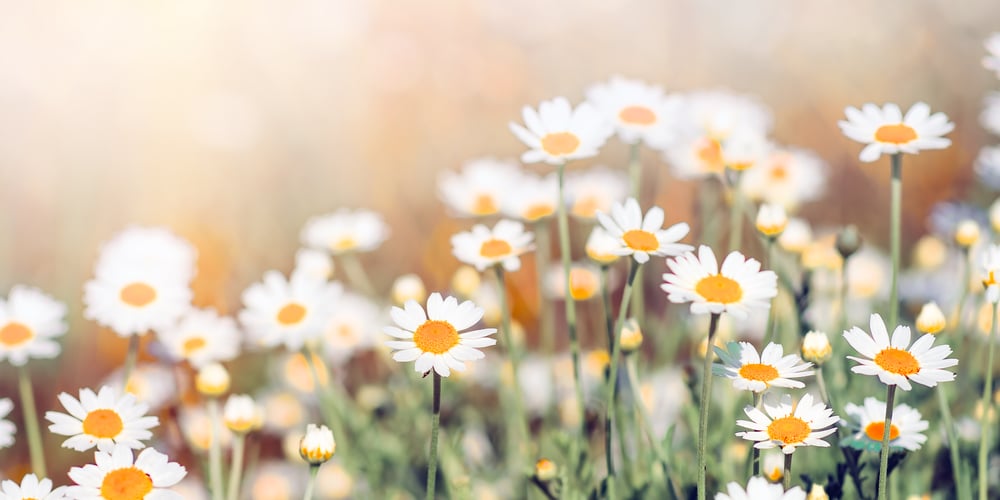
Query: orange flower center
[
  {"x": 291, "y": 314},
  {"x": 709, "y": 151},
  {"x": 899, "y": 133},
  {"x": 779, "y": 173},
  {"x": 343, "y": 244},
  {"x": 560, "y": 143},
  {"x": 788, "y": 430},
  {"x": 637, "y": 115},
  {"x": 759, "y": 372},
  {"x": 138, "y": 294},
  {"x": 13, "y": 334},
  {"x": 484, "y": 204},
  {"x": 719, "y": 289},
  {"x": 535, "y": 212},
  {"x": 103, "y": 423},
  {"x": 193, "y": 345},
  {"x": 582, "y": 284},
  {"x": 126, "y": 484},
  {"x": 435, "y": 336},
  {"x": 640, "y": 240},
  {"x": 492, "y": 249},
  {"x": 875, "y": 430},
  {"x": 897, "y": 361}
]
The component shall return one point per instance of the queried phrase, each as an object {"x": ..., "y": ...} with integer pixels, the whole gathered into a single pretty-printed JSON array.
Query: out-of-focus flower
[
  {"x": 631, "y": 336},
  {"x": 7, "y": 428},
  {"x": 483, "y": 247},
  {"x": 816, "y": 347},
  {"x": 664, "y": 394},
  {"x": 967, "y": 233},
  {"x": 773, "y": 466},
  {"x": 283, "y": 411},
  {"x": 601, "y": 247},
  {"x": 196, "y": 427},
  {"x": 788, "y": 177},
  {"x": 584, "y": 282},
  {"x": 152, "y": 384},
  {"x": 105, "y": 419},
  {"x": 995, "y": 215},
  {"x": 345, "y": 231},
  {"x": 277, "y": 311},
  {"x": 639, "y": 111},
  {"x": 433, "y": 339},
  {"x": 313, "y": 263},
  {"x": 352, "y": 327},
  {"x": 30, "y": 321},
  {"x": 533, "y": 198},
  {"x": 868, "y": 422},
  {"x": 987, "y": 166},
  {"x": 886, "y": 131},
  {"x": 759, "y": 489},
  {"x": 557, "y": 133},
  {"x": 894, "y": 360},
  {"x": 148, "y": 476},
  {"x": 275, "y": 480},
  {"x": 201, "y": 337},
  {"x": 334, "y": 482},
  {"x": 318, "y": 445},
  {"x": 796, "y": 236},
  {"x": 868, "y": 273},
  {"x": 294, "y": 371},
  {"x": 735, "y": 289},
  {"x": 771, "y": 220},
  {"x": 465, "y": 282},
  {"x": 817, "y": 492},
  {"x": 750, "y": 371},
  {"x": 212, "y": 380},
  {"x": 132, "y": 301},
  {"x": 945, "y": 217},
  {"x": 150, "y": 248},
  {"x": 641, "y": 236},
  {"x": 991, "y": 273},
  {"x": 931, "y": 319},
  {"x": 408, "y": 287},
  {"x": 929, "y": 252},
  {"x": 991, "y": 60},
  {"x": 788, "y": 426},
  {"x": 31, "y": 488},
  {"x": 990, "y": 117},
  {"x": 241, "y": 414},
  {"x": 595, "y": 190},
  {"x": 480, "y": 188},
  {"x": 546, "y": 470}
]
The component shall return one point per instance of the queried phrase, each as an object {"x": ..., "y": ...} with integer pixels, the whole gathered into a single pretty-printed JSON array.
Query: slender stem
[
  {"x": 543, "y": 253},
  {"x": 435, "y": 424},
  {"x": 612, "y": 382},
  {"x": 736, "y": 212},
  {"x": 130, "y": 357},
  {"x": 236, "y": 468},
  {"x": 635, "y": 188},
  {"x": 895, "y": 220},
  {"x": 330, "y": 413},
  {"x": 609, "y": 318},
  {"x": 31, "y": 421},
  {"x": 883, "y": 466},
  {"x": 574, "y": 342},
  {"x": 768, "y": 263},
  {"x": 755, "y": 452},
  {"x": 844, "y": 288},
  {"x": 706, "y": 391},
  {"x": 949, "y": 428},
  {"x": 787, "y": 475},
  {"x": 644, "y": 419},
  {"x": 514, "y": 352},
  {"x": 821, "y": 382},
  {"x": 313, "y": 470},
  {"x": 984, "y": 439},
  {"x": 215, "y": 449},
  {"x": 356, "y": 273}
]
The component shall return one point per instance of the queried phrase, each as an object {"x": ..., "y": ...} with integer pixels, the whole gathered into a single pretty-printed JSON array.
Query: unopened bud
[
  {"x": 848, "y": 241},
  {"x": 931, "y": 319}
]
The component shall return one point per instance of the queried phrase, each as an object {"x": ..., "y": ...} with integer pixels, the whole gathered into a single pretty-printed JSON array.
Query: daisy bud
[
  {"x": 545, "y": 470},
  {"x": 313, "y": 263},
  {"x": 597, "y": 362},
  {"x": 212, "y": 380},
  {"x": 318, "y": 445},
  {"x": 796, "y": 236},
  {"x": 631, "y": 336},
  {"x": 816, "y": 347},
  {"x": 408, "y": 287},
  {"x": 967, "y": 233},
  {"x": 771, "y": 220},
  {"x": 817, "y": 493},
  {"x": 929, "y": 253},
  {"x": 931, "y": 319},
  {"x": 995, "y": 215},
  {"x": 773, "y": 467},
  {"x": 241, "y": 414},
  {"x": 466, "y": 281},
  {"x": 848, "y": 241},
  {"x": 601, "y": 246}
]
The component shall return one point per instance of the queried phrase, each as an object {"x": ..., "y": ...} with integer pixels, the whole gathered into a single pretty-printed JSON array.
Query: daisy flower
[
  {"x": 114, "y": 475},
  {"x": 894, "y": 360},
  {"x": 154, "y": 248},
  {"x": 535, "y": 198},
  {"x": 481, "y": 188},
  {"x": 990, "y": 117},
  {"x": 992, "y": 60},
  {"x": 351, "y": 328},
  {"x": 152, "y": 384},
  {"x": 886, "y": 130},
  {"x": 640, "y": 236},
  {"x": 433, "y": 339},
  {"x": 788, "y": 426},
  {"x": 991, "y": 272},
  {"x": 987, "y": 166},
  {"x": 788, "y": 178},
  {"x": 345, "y": 231},
  {"x": 584, "y": 282},
  {"x": 640, "y": 112},
  {"x": 201, "y": 337},
  {"x": 758, "y": 488},
  {"x": 483, "y": 247},
  {"x": 735, "y": 289},
  {"x": 601, "y": 247},
  {"x": 279, "y": 311},
  {"x": 30, "y": 321},
  {"x": 869, "y": 423},
  {"x": 595, "y": 190},
  {"x": 752, "y": 372},
  {"x": 103, "y": 420},
  {"x": 557, "y": 133},
  {"x": 313, "y": 263},
  {"x": 318, "y": 445},
  {"x": 31, "y": 488},
  {"x": 132, "y": 301},
  {"x": 7, "y": 428}
]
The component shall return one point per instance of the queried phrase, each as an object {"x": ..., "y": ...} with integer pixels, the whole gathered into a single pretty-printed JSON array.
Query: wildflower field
[{"x": 444, "y": 269}]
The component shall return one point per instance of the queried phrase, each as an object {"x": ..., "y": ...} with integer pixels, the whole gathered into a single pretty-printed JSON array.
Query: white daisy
[
  {"x": 352, "y": 327},
  {"x": 201, "y": 337},
  {"x": 483, "y": 247},
  {"x": 196, "y": 427},
  {"x": 318, "y": 445},
  {"x": 115, "y": 476},
  {"x": 433, "y": 339},
  {"x": 894, "y": 360},
  {"x": 992, "y": 60},
  {"x": 31, "y": 488},
  {"x": 991, "y": 273},
  {"x": 481, "y": 188},
  {"x": 639, "y": 111},
  {"x": 7, "y": 428},
  {"x": 595, "y": 190},
  {"x": 345, "y": 231},
  {"x": 557, "y": 133},
  {"x": 641, "y": 236},
  {"x": 152, "y": 384},
  {"x": 771, "y": 220},
  {"x": 30, "y": 321},
  {"x": 313, "y": 263},
  {"x": 278, "y": 311},
  {"x": 788, "y": 177},
  {"x": 752, "y": 372},
  {"x": 132, "y": 301},
  {"x": 788, "y": 426},
  {"x": 154, "y": 248},
  {"x": 584, "y": 282},
  {"x": 735, "y": 289},
  {"x": 601, "y": 247},
  {"x": 869, "y": 423},
  {"x": 103, "y": 420},
  {"x": 534, "y": 199},
  {"x": 886, "y": 131},
  {"x": 758, "y": 488}
]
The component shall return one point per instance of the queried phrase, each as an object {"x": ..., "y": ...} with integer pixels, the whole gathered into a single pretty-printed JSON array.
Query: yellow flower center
[
  {"x": 582, "y": 284},
  {"x": 193, "y": 345},
  {"x": 637, "y": 115},
  {"x": 719, "y": 289},
  {"x": 586, "y": 207},
  {"x": 126, "y": 484},
  {"x": 779, "y": 173},
  {"x": 535, "y": 212},
  {"x": 137, "y": 294},
  {"x": 759, "y": 372},
  {"x": 788, "y": 430},
  {"x": 484, "y": 204},
  {"x": 343, "y": 244},
  {"x": 435, "y": 336},
  {"x": 103, "y": 423},
  {"x": 14, "y": 334},
  {"x": 643, "y": 241},
  {"x": 897, "y": 361},
  {"x": 560, "y": 143},
  {"x": 492, "y": 249},
  {"x": 875, "y": 430},
  {"x": 291, "y": 314},
  {"x": 899, "y": 133},
  {"x": 709, "y": 151}
]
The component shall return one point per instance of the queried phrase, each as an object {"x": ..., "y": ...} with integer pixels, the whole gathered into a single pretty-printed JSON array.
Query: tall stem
[
  {"x": 574, "y": 342},
  {"x": 236, "y": 468},
  {"x": 215, "y": 449},
  {"x": 514, "y": 351},
  {"x": 313, "y": 470},
  {"x": 787, "y": 474},
  {"x": 769, "y": 263},
  {"x": 323, "y": 397},
  {"x": 984, "y": 439},
  {"x": 895, "y": 220},
  {"x": 130, "y": 357},
  {"x": 755, "y": 452},
  {"x": 356, "y": 273},
  {"x": 644, "y": 418},
  {"x": 949, "y": 428},
  {"x": 735, "y": 212},
  {"x": 543, "y": 253},
  {"x": 31, "y": 421},
  {"x": 883, "y": 464},
  {"x": 706, "y": 391},
  {"x": 435, "y": 423},
  {"x": 635, "y": 185},
  {"x": 612, "y": 383}
]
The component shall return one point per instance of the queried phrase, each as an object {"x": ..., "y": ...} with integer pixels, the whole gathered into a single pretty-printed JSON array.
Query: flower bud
[
  {"x": 466, "y": 281},
  {"x": 631, "y": 336},
  {"x": 318, "y": 445},
  {"x": 816, "y": 347},
  {"x": 848, "y": 241},
  {"x": 967, "y": 233},
  {"x": 796, "y": 236},
  {"x": 212, "y": 380},
  {"x": 931, "y": 319},
  {"x": 241, "y": 414},
  {"x": 545, "y": 470},
  {"x": 771, "y": 220},
  {"x": 817, "y": 493},
  {"x": 408, "y": 287}
]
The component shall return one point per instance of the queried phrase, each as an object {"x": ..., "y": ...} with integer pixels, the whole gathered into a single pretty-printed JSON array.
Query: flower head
[
  {"x": 30, "y": 321},
  {"x": 991, "y": 273},
  {"x": 115, "y": 475},
  {"x": 641, "y": 236},
  {"x": 352, "y": 327},
  {"x": 752, "y": 372},
  {"x": 31, "y": 488},
  {"x": 345, "y": 231},
  {"x": 931, "y": 318},
  {"x": 202, "y": 336},
  {"x": 894, "y": 360},
  {"x": 992, "y": 60},
  {"x": 886, "y": 130},
  {"x": 639, "y": 111},
  {"x": 788, "y": 426},
  {"x": 7, "y": 428},
  {"x": 289, "y": 312},
  {"x": 758, "y": 488},
  {"x": 241, "y": 414},
  {"x": 318, "y": 445},
  {"x": 535, "y": 198},
  {"x": 483, "y": 247},
  {"x": 816, "y": 347},
  {"x": 736, "y": 288},
  {"x": 104, "y": 419},
  {"x": 481, "y": 188},
  {"x": 595, "y": 190},
  {"x": 869, "y": 423},
  {"x": 557, "y": 133},
  {"x": 132, "y": 301},
  {"x": 787, "y": 177},
  {"x": 771, "y": 220}
]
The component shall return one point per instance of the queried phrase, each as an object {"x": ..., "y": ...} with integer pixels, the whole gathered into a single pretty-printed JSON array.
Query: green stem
[
  {"x": 356, "y": 273},
  {"x": 31, "y": 421},
  {"x": 706, "y": 391},
  {"x": 543, "y": 254},
  {"x": 844, "y": 288},
  {"x": 821, "y": 382},
  {"x": 883, "y": 463},
  {"x": 215, "y": 449},
  {"x": 130, "y": 357},
  {"x": 895, "y": 220},
  {"x": 984, "y": 440},
  {"x": 513, "y": 350},
  {"x": 612, "y": 382},
  {"x": 644, "y": 419},
  {"x": 735, "y": 212},
  {"x": 313, "y": 470},
  {"x": 787, "y": 475},
  {"x": 949, "y": 428},
  {"x": 574, "y": 342},
  {"x": 435, "y": 424},
  {"x": 635, "y": 184},
  {"x": 770, "y": 328},
  {"x": 236, "y": 468},
  {"x": 755, "y": 452}
]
